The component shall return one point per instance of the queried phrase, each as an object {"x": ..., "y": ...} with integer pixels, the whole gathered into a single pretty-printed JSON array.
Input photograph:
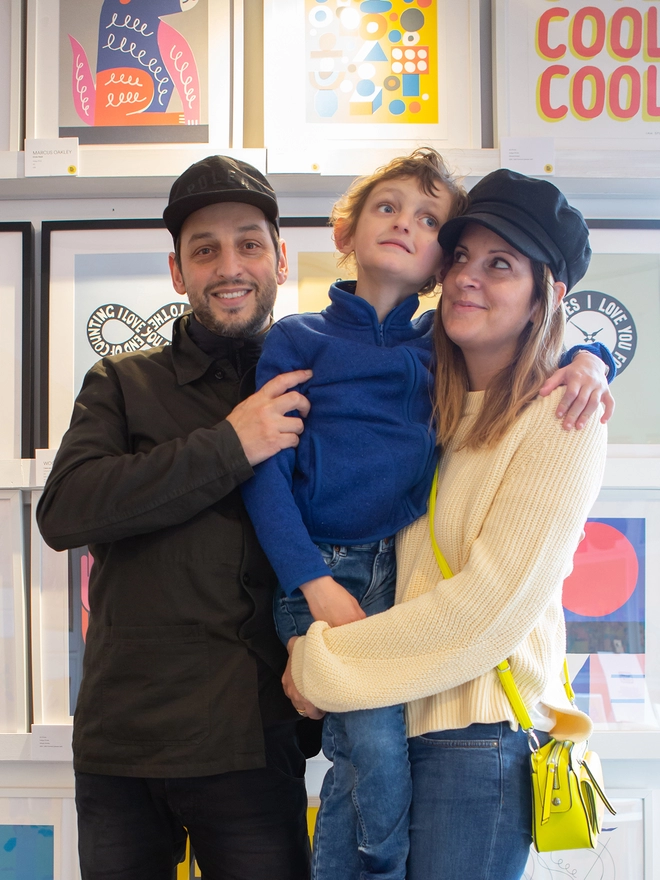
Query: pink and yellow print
[{"x": 372, "y": 61}]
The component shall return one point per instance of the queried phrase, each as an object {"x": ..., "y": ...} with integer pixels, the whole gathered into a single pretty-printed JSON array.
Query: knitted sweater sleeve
[{"x": 450, "y": 632}]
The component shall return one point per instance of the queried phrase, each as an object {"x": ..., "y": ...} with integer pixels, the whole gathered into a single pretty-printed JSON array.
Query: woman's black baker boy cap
[
  {"x": 531, "y": 215},
  {"x": 218, "y": 179}
]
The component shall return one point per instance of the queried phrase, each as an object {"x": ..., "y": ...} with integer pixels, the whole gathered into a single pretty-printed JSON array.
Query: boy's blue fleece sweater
[{"x": 365, "y": 461}]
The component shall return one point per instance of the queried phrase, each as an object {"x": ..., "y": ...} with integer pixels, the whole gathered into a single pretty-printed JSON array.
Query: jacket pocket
[{"x": 156, "y": 684}]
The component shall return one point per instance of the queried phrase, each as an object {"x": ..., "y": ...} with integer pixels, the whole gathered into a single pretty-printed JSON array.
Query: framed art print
[
  {"x": 13, "y": 614},
  {"x": 11, "y": 73},
  {"x": 579, "y": 72},
  {"x": 153, "y": 73},
  {"x": 384, "y": 72},
  {"x": 106, "y": 289},
  {"x": 38, "y": 834},
  {"x": 611, "y": 611},
  {"x": 618, "y": 303},
  {"x": 314, "y": 266},
  {"x": 16, "y": 254},
  {"x": 49, "y": 624}
]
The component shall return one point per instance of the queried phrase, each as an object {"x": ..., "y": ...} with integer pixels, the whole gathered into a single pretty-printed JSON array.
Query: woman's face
[{"x": 487, "y": 295}]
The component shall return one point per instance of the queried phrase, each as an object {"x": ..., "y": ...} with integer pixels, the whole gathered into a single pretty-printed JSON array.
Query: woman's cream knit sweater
[{"x": 508, "y": 520}]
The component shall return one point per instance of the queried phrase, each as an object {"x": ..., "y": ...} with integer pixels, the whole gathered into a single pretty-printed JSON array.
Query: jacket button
[
  {"x": 246, "y": 580},
  {"x": 219, "y": 374}
]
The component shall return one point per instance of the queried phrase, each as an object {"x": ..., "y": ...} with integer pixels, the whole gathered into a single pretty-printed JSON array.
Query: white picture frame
[
  {"x": 16, "y": 339},
  {"x": 129, "y": 159},
  {"x": 14, "y": 706},
  {"x": 49, "y": 621},
  {"x": 617, "y": 303},
  {"x": 613, "y": 639},
  {"x": 545, "y": 89},
  {"x": 314, "y": 266},
  {"x": 47, "y": 817},
  {"x": 298, "y": 142},
  {"x": 76, "y": 255},
  {"x": 11, "y": 74}
]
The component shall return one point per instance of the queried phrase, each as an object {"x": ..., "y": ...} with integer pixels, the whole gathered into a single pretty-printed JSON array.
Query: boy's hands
[
  {"x": 586, "y": 387},
  {"x": 260, "y": 420},
  {"x": 329, "y": 601}
]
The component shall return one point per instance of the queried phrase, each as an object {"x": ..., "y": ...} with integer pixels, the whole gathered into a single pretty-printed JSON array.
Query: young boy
[{"x": 326, "y": 513}]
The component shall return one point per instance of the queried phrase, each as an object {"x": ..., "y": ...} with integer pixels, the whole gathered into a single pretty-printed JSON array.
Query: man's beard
[{"x": 264, "y": 298}]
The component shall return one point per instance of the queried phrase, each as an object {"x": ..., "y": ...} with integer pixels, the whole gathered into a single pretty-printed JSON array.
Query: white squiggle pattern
[
  {"x": 126, "y": 98},
  {"x": 152, "y": 65},
  {"x": 123, "y": 81},
  {"x": 137, "y": 26},
  {"x": 84, "y": 101},
  {"x": 189, "y": 92}
]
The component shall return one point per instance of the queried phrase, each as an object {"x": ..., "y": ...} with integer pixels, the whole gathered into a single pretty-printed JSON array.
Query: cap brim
[
  {"x": 510, "y": 232},
  {"x": 176, "y": 214}
]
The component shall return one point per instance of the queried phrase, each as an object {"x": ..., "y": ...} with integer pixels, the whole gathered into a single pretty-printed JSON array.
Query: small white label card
[
  {"x": 533, "y": 155},
  {"x": 44, "y": 459},
  {"x": 51, "y": 157},
  {"x": 51, "y": 742}
]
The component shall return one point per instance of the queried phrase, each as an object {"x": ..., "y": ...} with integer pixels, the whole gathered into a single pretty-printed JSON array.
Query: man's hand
[
  {"x": 300, "y": 704},
  {"x": 329, "y": 601},
  {"x": 586, "y": 387},
  {"x": 261, "y": 421}
]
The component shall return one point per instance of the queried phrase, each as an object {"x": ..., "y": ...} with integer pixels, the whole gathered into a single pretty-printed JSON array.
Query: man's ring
[{"x": 302, "y": 713}]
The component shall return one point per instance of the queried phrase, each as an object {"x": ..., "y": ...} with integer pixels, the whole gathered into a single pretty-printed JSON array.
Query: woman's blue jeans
[
  {"x": 471, "y": 813},
  {"x": 362, "y": 825}
]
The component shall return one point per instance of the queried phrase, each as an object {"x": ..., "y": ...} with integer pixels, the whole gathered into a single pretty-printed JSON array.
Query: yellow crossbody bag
[{"x": 567, "y": 780}]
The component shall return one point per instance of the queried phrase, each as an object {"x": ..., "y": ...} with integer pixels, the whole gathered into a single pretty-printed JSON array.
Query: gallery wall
[{"x": 499, "y": 71}]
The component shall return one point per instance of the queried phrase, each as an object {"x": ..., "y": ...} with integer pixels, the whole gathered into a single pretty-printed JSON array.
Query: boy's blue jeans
[{"x": 362, "y": 825}]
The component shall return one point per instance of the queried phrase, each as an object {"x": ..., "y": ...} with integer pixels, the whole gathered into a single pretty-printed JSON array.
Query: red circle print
[{"x": 604, "y": 572}]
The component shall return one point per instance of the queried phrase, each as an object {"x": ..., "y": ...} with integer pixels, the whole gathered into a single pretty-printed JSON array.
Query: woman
[{"x": 513, "y": 493}]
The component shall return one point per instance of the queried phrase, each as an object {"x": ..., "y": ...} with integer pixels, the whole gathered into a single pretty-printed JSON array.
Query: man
[{"x": 181, "y": 722}]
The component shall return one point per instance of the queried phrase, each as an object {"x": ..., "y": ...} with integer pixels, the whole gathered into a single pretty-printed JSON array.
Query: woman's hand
[
  {"x": 302, "y": 706},
  {"x": 586, "y": 387}
]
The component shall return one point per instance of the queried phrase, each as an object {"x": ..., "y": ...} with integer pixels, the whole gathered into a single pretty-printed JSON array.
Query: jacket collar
[
  {"x": 345, "y": 306},
  {"x": 193, "y": 357}
]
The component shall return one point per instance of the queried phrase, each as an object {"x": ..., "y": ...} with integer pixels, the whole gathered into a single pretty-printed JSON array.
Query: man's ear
[
  {"x": 343, "y": 241},
  {"x": 177, "y": 278},
  {"x": 282, "y": 264}
]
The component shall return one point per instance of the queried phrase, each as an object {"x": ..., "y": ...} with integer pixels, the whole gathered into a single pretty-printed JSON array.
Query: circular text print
[
  {"x": 105, "y": 320},
  {"x": 592, "y": 316}
]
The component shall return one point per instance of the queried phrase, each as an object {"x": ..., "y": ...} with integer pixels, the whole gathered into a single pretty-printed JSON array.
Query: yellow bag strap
[{"x": 503, "y": 668}]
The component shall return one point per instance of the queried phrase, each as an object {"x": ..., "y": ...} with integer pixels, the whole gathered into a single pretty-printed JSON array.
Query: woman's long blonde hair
[{"x": 513, "y": 388}]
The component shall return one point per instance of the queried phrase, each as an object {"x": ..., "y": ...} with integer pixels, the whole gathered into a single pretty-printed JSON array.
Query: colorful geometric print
[
  {"x": 372, "y": 62},
  {"x": 604, "y": 596},
  {"x": 27, "y": 852}
]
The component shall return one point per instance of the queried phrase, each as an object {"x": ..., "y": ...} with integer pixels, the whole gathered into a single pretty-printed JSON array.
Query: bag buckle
[{"x": 532, "y": 740}]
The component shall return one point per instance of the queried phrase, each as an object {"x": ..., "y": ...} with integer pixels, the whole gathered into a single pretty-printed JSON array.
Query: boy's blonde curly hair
[{"x": 430, "y": 171}]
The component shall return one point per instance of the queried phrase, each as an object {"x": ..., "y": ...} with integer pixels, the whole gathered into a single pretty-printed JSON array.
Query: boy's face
[{"x": 396, "y": 237}]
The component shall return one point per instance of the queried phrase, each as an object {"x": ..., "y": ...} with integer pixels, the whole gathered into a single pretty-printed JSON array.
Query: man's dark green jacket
[{"x": 182, "y": 663}]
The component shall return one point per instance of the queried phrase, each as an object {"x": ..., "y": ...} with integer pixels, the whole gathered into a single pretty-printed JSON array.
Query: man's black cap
[
  {"x": 218, "y": 179},
  {"x": 533, "y": 216}
]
